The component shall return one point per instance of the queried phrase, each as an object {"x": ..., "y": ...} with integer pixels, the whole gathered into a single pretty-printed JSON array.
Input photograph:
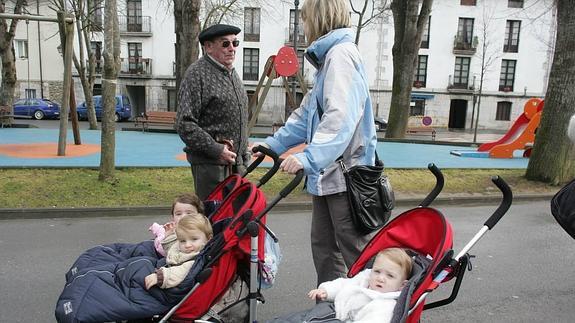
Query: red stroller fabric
[
  {"x": 423, "y": 230},
  {"x": 242, "y": 205}
]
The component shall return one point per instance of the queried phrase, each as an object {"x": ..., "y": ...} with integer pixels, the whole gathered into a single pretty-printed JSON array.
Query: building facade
[{"x": 499, "y": 51}]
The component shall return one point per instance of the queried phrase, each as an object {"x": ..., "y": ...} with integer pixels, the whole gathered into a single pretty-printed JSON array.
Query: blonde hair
[
  {"x": 398, "y": 256},
  {"x": 194, "y": 222},
  {"x": 322, "y": 16}
]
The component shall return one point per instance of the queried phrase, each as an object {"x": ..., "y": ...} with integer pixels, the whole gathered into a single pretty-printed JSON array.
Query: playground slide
[{"x": 520, "y": 136}]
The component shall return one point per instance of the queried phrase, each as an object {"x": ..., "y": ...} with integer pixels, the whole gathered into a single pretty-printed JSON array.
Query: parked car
[
  {"x": 380, "y": 124},
  {"x": 36, "y": 108},
  {"x": 123, "y": 108}
]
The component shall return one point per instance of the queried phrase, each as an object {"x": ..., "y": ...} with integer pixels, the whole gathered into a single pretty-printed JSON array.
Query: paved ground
[{"x": 152, "y": 149}]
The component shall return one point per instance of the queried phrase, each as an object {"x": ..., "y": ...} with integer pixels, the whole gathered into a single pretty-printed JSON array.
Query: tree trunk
[
  {"x": 409, "y": 22},
  {"x": 111, "y": 68},
  {"x": 7, "y": 55},
  {"x": 187, "y": 21},
  {"x": 552, "y": 159}
]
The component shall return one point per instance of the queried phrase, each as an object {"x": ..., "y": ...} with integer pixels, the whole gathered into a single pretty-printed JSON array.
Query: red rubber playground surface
[{"x": 31, "y": 147}]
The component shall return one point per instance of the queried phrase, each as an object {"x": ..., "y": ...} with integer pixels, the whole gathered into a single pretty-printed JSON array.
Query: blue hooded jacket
[{"x": 335, "y": 118}]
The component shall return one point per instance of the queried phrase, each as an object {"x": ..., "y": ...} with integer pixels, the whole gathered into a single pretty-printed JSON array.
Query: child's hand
[
  {"x": 319, "y": 293},
  {"x": 151, "y": 280},
  {"x": 169, "y": 227}
]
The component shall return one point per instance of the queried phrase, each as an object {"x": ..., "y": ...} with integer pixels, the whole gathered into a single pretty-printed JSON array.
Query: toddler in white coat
[{"x": 370, "y": 296}]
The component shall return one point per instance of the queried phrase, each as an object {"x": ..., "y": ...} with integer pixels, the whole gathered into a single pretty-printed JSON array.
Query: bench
[
  {"x": 424, "y": 131},
  {"x": 161, "y": 118},
  {"x": 5, "y": 117}
]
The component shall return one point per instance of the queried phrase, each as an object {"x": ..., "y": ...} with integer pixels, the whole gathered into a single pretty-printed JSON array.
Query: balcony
[
  {"x": 135, "y": 26},
  {"x": 462, "y": 46},
  {"x": 461, "y": 86},
  {"x": 301, "y": 43},
  {"x": 137, "y": 67}
]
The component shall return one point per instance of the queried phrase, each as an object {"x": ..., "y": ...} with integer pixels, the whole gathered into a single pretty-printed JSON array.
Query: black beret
[{"x": 216, "y": 31}]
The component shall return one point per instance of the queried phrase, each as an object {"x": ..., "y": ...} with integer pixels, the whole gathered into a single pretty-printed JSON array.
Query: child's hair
[
  {"x": 194, "y": 222},
  {"x": 189, "y": 198},
  {"x": 398, "y": 256}
]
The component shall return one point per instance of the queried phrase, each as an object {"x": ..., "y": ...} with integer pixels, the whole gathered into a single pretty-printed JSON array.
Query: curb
[{"x": 282, "y": 206}]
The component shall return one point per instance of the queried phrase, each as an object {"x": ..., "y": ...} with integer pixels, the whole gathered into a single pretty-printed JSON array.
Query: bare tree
[
  {"x": 187, "y": 21},
  {"x": 111, "y": 68},
  {"x": 552, "y": 160},
  {"x": 87, "y": 23},
  {"x": 7, "y": 56},
  {"x": 409, "y": 19},
  {"x": 368, "y": 12},
  {"x": 488, "y": 54}
]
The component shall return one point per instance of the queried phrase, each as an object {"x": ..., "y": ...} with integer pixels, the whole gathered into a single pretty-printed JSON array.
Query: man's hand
[
  {"x": 319, "y": 293},
  {"x": 151, "y": 280},
  {"x": 291, "y": 165},
  {"x": 228, "y": 156}
]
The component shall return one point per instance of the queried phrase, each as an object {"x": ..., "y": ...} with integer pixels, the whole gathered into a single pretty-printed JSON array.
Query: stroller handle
[
  {"x": 265, "y": 152},
  {"x": 505, "y": 202},
  {"x": 439, "y": 182}
]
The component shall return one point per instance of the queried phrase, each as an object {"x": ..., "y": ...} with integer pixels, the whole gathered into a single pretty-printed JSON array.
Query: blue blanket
[{"x": 106, "y": 283}]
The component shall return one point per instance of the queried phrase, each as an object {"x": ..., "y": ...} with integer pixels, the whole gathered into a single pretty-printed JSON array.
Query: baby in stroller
[
  {"x": 370, "y": 296},
  {"x": 192, "y": 232}
]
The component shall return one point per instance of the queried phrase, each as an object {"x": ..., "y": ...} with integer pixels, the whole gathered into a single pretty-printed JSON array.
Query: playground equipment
[
  {"x": 519, "y": 137},
  {"x": 284, "y": 64}
]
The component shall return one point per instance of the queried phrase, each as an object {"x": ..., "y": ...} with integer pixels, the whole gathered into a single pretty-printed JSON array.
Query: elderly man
[{"x": 212, "y": 111}]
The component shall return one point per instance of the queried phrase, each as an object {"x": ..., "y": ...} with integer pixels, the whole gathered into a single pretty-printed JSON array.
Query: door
[{"x": 457, "y": 114}]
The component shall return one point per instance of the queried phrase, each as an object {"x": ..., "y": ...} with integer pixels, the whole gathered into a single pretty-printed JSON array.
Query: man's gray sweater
[{"x": 212, "y": 106}]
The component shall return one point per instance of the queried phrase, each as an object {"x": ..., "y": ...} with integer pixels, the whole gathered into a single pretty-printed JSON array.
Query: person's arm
[
  {"x": 293, "y": 133},
  {"x": 344, "y": 98},
  {"x": 190, "y": 105},
  {"x": 169, "y": 277}
]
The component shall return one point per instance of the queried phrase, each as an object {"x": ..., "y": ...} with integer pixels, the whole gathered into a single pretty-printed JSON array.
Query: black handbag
[{"x": 370, "y": 195}]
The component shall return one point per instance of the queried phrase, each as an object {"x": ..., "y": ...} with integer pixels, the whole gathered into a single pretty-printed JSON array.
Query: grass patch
[{"x": 40, "y": 188}]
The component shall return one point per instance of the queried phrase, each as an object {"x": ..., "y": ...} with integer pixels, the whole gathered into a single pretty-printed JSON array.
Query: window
[
  {"x": 21, "y": 48},
  {"x": 461, "y": 74},
  {"x": 515, "y": 4},
  {"x": 464, "y": 38},
  {"x": 134, "y": 15},
  {"x": 417, "y": 108},
  {"x": 97, "y": 51},
  {"x": 301, "y": 36},
  {"x": 95, "y": 14},
  {"x": 507, "y": 77},
  {"x": 468, "y": 2},
  {"x": 503, "y": 111},
  {"x": 421, "y": 72},
  {"x": 135, "y": 58},
  {"x": 30, "y": 93},
  {"x": 511, "y": 43},
  {"x": 172, "y": 93},
  {"x": 252, "y": 24},
  {"x": 425, "y": 35},
  {"x": 251, "y": 64}
]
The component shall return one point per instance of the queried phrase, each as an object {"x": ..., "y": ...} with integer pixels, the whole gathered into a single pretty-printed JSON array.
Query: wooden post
[{"x": 68, "y": 52}]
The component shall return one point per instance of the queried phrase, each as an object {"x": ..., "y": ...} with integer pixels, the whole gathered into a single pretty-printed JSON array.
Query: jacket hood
[{"x": 317, "y": 51}]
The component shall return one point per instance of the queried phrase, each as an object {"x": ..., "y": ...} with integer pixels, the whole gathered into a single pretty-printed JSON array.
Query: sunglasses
[{"x": 227, "y": 43}]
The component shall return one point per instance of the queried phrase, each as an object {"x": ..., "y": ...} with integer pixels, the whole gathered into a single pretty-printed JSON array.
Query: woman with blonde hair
[{"x": 335, "y": 119}]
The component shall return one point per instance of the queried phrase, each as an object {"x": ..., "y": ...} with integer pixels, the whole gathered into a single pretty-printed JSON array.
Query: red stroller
[
  {"x": 239, "y": 243},
  {"x": 427, "y": 233}
]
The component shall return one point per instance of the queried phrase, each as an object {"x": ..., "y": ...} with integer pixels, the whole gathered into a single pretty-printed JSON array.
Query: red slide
[{"x": 522, "y": 132}]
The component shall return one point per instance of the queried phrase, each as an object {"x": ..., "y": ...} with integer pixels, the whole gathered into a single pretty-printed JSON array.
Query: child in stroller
[
  {"x": 192, "y": 232},
  {"x": 370, "y": 295},
  {"x": 184, "y": 204}
]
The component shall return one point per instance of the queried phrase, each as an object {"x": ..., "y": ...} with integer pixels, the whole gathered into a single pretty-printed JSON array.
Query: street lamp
[{"x": 295, "y": 39}]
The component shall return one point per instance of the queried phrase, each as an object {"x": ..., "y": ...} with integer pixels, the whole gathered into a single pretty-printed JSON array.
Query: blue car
[
  {"x": 123, "y": 108},
  {"x": 36, "y": 108}
]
